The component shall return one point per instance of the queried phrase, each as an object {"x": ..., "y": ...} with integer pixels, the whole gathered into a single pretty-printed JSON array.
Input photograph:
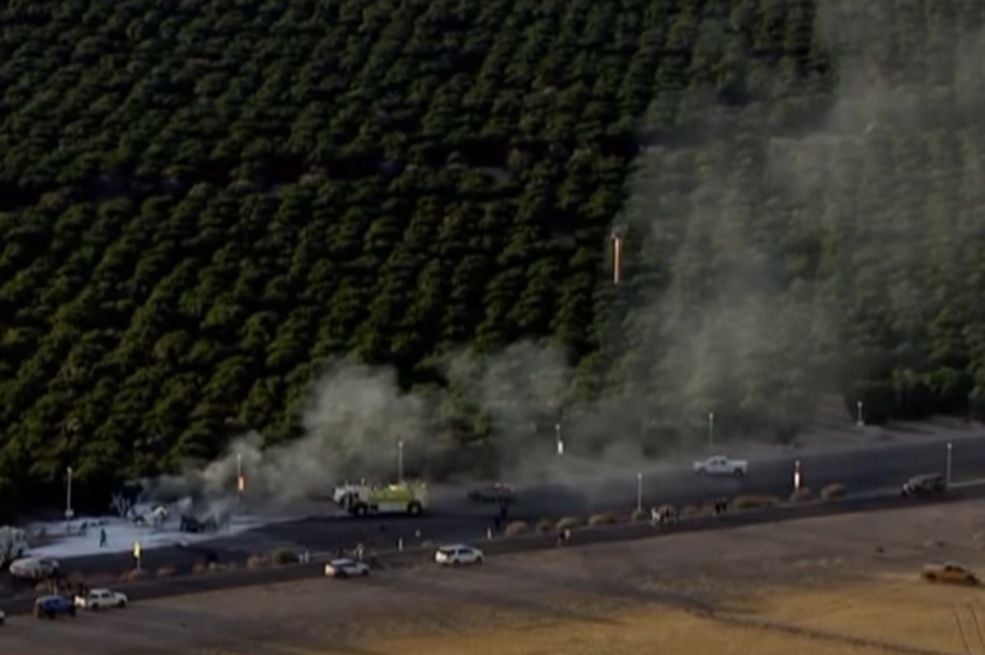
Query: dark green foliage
[{"x": 199, "y": 203}]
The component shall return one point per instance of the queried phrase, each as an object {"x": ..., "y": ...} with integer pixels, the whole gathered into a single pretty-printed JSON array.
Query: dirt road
[{"x": 845, "y": 585}]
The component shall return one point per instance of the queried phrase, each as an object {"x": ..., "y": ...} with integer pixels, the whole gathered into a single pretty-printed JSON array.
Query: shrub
[
  {"x": 135, "y": 575},
  {"x": 200, "y": 567},
  {"x": 603, "y": 519},
  {"x": 216, "y": 567},
  {"x": 284, "y": 556},
  {"x": 754, "y": 502},
  {"x": 165, "y": 572},
  {"x": 516, "y": 528},
  {"x": 569, "y": 523},
  {"x": 698, "y": 510},
  {"x": 836, "y": 490},
  {"x": 257, "y": 561},
  {"x": 545, "y": 525},
  {"x": 801, "y": 495},
  {"x": 639, "y": 515}
]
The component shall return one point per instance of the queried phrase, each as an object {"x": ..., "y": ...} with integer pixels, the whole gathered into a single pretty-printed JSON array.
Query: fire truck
[{"x": 401, "y": 498}]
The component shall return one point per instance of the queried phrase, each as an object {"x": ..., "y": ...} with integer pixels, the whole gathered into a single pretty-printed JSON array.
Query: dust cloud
[{"x": 750, "y": 255}]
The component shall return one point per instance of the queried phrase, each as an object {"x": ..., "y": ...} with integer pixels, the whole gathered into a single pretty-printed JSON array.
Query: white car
[
  {"x": 458, "y": 554},
  {"x": 721, "y": 465},
  {"x": 346, "y": 568},
  {"x": 98, "y": 599},
  {"x": 34, "y": 568}
]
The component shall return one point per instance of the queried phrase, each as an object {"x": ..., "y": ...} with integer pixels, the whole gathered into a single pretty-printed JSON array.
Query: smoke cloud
[{"x": 750, "y": 255}]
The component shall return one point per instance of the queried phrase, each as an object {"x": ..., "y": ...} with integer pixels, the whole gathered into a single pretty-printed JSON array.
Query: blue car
[{"x": 49, "y": 607}]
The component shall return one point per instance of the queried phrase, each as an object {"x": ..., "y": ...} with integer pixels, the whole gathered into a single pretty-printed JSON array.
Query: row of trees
[{"x": 201, "y": 202}]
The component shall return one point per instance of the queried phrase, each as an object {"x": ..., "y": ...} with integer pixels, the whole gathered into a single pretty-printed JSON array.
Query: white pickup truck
[{"x": 721, "y": 465}]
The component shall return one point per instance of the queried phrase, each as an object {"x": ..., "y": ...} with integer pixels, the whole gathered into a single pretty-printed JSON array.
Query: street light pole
[
  {"x": 69, "y": 513},
  {"x": 711, "y": 429},
  {"x": 639, "y": 492},
  {"x": 948, "y": 463},
  {"x": 400, "y": 460},
  {"x": 560, "y": 442}
]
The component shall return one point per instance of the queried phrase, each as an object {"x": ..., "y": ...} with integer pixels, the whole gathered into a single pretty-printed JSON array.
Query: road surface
[{"x": 452, "y": 518}]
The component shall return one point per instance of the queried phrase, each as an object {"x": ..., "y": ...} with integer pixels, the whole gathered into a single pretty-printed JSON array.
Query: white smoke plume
[{"x": 724, "y": 316}]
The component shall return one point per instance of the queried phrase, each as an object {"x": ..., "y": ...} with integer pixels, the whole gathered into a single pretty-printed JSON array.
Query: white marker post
[
  {"x": 711, "y": 429},
  {"x": 400, "y": 460},
  {"x": 400, "y": 544},
  {"x": 560, "y": 442},
  {"x": 859, "y": 421},
  {"x": 69, "y": 512},
  {"x": 796, "y": 476},
  {"x": 639, "y": 492},
  {"x": 616, "y": 257},
  {"x": 136, "y": 553}
]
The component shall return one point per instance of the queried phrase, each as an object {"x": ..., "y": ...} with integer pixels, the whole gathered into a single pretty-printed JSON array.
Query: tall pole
[
  {"x": 711, "y": 429},
  {"x": 948, "y": 478},
  {"x": 639, "y": 492},
  {"x": 616, "y": 257},
  {"x": 69, "y": 512},
  {"x": 560, "y": 442},
  {"x": 400, "y": 460}
]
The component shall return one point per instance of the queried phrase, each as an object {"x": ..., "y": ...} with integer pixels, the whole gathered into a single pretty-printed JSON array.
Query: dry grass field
[{"x": 841, "y": 585}]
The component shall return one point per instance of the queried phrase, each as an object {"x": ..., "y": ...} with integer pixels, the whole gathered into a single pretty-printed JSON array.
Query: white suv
[
  {"x": 457, "y": 554},
  {"x": 97, "y": 599}
]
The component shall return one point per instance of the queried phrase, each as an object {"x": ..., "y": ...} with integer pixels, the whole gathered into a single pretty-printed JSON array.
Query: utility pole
[
  {"x": 639, "y": 492},
  {"x": 560, "y": 442},
  {"x": 69, "y": 512}
]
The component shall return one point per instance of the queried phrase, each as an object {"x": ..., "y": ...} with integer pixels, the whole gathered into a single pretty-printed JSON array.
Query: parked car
[
  {"x": 949, "y": 572},
  {"x": 98, "y": 599},
  {"x": 721, "y": 465},
  {"x": 458, "y": 554},
  {"x": 346, "y": 568},
  {"x": 924, "y": 485},
  {"x": 497, "y": 492},
  {"x": 49, "y": 607},
  {"x": 34, "y": 568}
]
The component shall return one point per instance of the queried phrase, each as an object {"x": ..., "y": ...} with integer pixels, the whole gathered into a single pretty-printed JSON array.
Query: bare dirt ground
[{"x": 840, "y": 585}]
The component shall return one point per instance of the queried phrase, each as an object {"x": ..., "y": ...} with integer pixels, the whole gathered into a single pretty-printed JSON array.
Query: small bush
[
  {"x": 134, "y": 575},
  {"x": 603, "y": 519},
  {"x": 284, "y": 556},
  {"x": 546, "y": 525},
  {"x": 802, "y": 495},
  {"x": 257, "y": 562},
  {"x": 200, "y": 567},
  {"x": 164, "y": 572},
  {"x": 836, "y": 490},
  {"x": 216, "y": 567},
  {"x": 639, "y": 515},
  {"x": 569, "y": 523},
  {"x": 754, "y": 502},
  {"x": 516, "y": 528}
]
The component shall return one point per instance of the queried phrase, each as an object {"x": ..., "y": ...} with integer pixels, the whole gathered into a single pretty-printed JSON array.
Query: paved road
[{"x": 452, "y": 518}]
